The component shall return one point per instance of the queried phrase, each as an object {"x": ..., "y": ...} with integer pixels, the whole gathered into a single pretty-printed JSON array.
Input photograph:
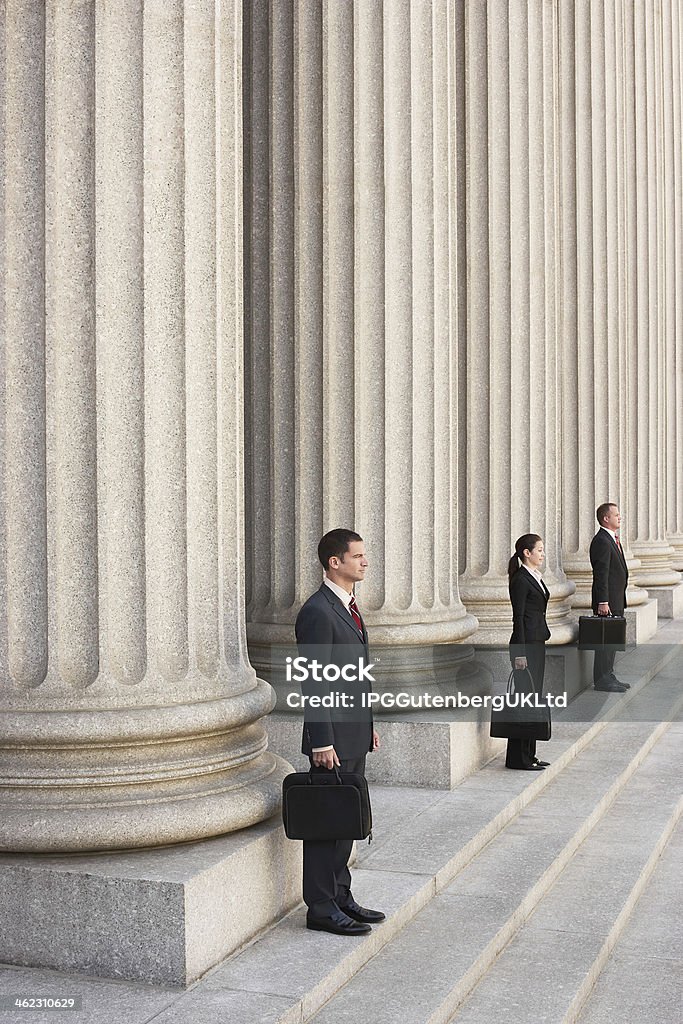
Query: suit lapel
[
  {"x": 343, "y": 614},
  {"x": 539, "y": 586}
]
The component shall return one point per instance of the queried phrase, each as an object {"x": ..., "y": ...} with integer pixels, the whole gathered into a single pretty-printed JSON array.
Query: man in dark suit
[
  {"x": 330, "y": 630},
  {"x": 610, "y": 579}
]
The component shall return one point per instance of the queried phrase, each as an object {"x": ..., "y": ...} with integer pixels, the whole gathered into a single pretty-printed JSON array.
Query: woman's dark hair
[{"x": 525, "y": 543}]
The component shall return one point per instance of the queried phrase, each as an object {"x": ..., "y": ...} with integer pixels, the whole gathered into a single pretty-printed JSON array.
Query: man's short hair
[
  {"x": 335, "y": 544},
  {"x": 602, "y": 510}
]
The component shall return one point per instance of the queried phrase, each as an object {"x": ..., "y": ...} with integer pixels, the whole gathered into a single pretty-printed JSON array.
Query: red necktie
[
  {"x": 617, "y": 542},
  {"x": 353, "y": 608}
]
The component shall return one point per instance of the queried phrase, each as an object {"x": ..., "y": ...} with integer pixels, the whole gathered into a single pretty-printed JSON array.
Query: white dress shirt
[
  {"x": 536, "y": 575},
  {"x": 342, "y": 594}
]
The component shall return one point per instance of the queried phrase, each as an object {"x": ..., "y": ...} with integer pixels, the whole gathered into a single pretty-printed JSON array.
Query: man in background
[{"x": 610, "y": 579}]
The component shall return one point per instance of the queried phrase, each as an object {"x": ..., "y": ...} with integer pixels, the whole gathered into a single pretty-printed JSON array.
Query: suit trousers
[
  {"x": 327, "y": 879},
  {"x": 522, "y": 753},
  {"x": 603, "y": 665},
  {"x": 603, "y": 662}
]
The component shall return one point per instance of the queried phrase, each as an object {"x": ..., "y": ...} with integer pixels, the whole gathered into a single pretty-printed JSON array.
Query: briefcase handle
[
  {"x": 511, "y": 679},
  {"x": 335, "y": 769}
]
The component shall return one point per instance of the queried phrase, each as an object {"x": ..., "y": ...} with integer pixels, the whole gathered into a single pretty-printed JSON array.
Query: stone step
[
  {"x": 423, "y": 840},
  {"x": 458, "y": 936},
  {"x": 643, "y": 978},
  {"x": 286, "y": 973},
  {"x": 549, "y": 968}
]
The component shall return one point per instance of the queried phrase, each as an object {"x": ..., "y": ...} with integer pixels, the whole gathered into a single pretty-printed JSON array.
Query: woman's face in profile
[{"x": 536, "y": 556}]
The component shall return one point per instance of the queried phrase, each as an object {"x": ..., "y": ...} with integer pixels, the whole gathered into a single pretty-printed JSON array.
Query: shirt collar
[
  {"x": 342, "y": 594},
  {"x": 533, "y": 572},
  {"x": 611, "y": 532}
]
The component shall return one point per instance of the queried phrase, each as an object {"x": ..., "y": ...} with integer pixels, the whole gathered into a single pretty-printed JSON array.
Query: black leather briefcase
[
  {"x": 521, "y": 722},
  {"x": 326, "y": 805},
  {"x": 597, "y": 631}
]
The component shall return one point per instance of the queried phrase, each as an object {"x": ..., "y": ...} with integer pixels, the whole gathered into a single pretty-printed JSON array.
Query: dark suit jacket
[
  {"x": 529, "y": 602},
  {"x": 326, "y": 632},
  {"x": 610, "y": 573}
]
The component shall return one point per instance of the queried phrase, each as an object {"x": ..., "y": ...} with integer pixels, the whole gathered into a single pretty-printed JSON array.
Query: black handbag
[
  {"x": 597, "y": 631},
  {"x": 523, "y": 721},
  {"x": 326, "y": 805}
]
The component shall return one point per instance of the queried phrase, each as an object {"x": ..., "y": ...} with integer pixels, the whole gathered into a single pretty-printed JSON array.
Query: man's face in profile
[
  {"x": 613, "y": 519},
  {"x": 352, "y": 565}
]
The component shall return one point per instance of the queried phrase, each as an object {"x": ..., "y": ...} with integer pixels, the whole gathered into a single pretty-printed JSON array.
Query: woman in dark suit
[{"x": 529, "y": 596}]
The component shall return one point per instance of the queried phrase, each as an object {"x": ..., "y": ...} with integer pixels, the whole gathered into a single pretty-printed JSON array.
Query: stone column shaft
[
  {"x": 362, "y": 409},
  {"x": 674, "y": 375},
  {"x": 24, "y": 639},
  {"x": 130, "y": 711},
  {"x": 650, "y": 544},
  {"x": 513, "y": 424},
  {"x": 598, "y": 391}
]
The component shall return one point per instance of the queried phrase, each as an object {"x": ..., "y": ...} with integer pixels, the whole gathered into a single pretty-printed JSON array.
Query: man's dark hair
[
  {"x": 335, "y": 544},
  {"x": 602, "y": 510}
]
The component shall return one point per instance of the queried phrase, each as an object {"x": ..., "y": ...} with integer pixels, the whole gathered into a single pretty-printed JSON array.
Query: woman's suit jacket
[{"x": 529, "y": 602}]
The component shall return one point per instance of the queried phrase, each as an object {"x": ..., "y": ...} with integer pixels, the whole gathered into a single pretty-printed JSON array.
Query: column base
[
  {"x": 415, "y": 751},
  {"x": 641, "y": 621},
  {"x": 423, "y": 667},
  {"x": 656, "y": 569},
  {"x": 489, "y": 601},
  {"x": 669, "y": 601},
  {"x": 129, "y": 778},
  {"x": 583, "y": 578},
  {"x": 437, "y": 749},
  {"x": 163, "y": 916},
  {"x": 676, "y": 542}
]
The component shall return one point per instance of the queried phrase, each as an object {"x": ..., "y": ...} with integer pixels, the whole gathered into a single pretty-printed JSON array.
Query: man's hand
[
  {"x": 325, "y": 758},
  {"x": 520, "y": 663},
  {"x": 603, "y": 608},
  {"x": 375, "y": 740}
]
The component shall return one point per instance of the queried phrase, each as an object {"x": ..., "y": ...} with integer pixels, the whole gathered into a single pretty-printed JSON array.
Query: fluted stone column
[
  {"x": 650, "y": 543},
  {"x": 130, "y": 713},
  {"x": 351, "y": 341},
  {"x": 674, "y": 375},
  {"x": 511, "y": 365},
  {"x": 598, "y": 308}
]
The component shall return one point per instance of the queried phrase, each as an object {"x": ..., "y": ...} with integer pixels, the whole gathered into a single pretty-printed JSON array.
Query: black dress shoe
[
  {"x": 359, "y": 913},
  {"x": 542, "y": 764},
  {"x": 338, "y": 923},
  {"x": 613, "y": 679},
  {"x": 610, "y": 686}
]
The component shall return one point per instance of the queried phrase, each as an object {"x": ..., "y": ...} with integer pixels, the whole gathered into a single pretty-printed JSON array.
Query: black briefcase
[
  {"x": 521, "y": 721},
  {"x": 597, "y": 631},
  {"x": 326, "y": 805}
]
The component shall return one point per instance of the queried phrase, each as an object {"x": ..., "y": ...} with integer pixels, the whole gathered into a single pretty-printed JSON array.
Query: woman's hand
[{"x": 520, "y": 662}]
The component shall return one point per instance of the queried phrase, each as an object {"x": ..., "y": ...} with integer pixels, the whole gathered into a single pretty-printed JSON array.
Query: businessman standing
[
  {"x": 610, "y": 579},
  {"x": 330, "y": 629}
]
